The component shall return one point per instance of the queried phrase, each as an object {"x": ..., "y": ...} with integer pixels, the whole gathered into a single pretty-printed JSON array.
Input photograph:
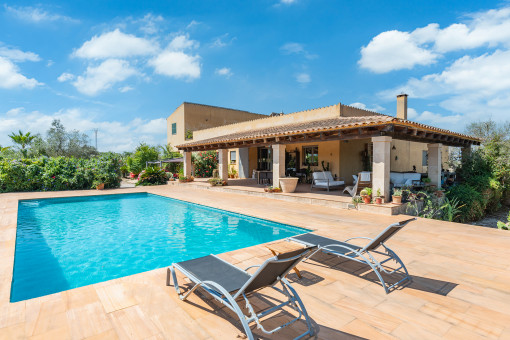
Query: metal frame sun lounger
[
  {"x": 362, "y": 254},
  {"x": 226, "y": 283}
]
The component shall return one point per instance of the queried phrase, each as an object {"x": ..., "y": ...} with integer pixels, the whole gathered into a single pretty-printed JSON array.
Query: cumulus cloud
[
  {"x": 17, "y": 55},
  {"x": 175, "y": 62},
  {"x": 472, "y": 85},
  {"x": 431, "y": 118},
  {"x": 36, "y": 14},
  {"x": 396, "y": 50},
  {"x": 149, "y": 23},
  {"x": 303, "y": 78},
  {"x": 112, "y": 135},
  {"x": 115, "y": 44},
  {"x": 10, "y": 76},
  {"x": 363, "y": 106},
  {"x": 103, "y": 76},
  {"x": 224, "y": 71},
  {"x": 65, "y": 77}
]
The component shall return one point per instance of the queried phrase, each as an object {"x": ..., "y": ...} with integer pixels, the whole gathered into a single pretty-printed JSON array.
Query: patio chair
[
  {"x": 325, "y": 180},
  {"x": 227, "y": 283},
  {"x": 361, "y": 181},
  {"x": 366, "y": 254}
]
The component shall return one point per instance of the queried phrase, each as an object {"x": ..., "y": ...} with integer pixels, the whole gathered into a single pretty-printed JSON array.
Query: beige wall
[
  {"x": 350, "y": 158},
  {"x": 190, "y": 116},
  {"x": 409, "y": 154}
]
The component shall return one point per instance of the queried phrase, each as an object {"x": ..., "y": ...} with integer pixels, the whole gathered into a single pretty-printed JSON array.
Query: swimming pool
[{"x": 64, "y": 243}]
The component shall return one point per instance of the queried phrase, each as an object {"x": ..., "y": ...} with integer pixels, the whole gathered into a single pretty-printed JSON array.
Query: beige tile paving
[{"x": 460, "y": 284}]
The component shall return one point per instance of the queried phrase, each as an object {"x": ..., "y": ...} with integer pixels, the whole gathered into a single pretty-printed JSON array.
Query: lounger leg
[
  {"x": 171, "y": 270},
  {"x": 311, "y": 331}
]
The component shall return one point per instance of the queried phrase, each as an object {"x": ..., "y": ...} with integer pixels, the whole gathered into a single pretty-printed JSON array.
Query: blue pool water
[{"x": 64, "y": 243}]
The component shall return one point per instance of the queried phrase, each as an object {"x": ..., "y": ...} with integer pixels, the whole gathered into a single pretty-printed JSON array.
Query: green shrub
[
  {"x": 205, "y": 163},
  {"x": 144, "y": 153},
  {"x": 474, "y": 202},
  {"x": 152, "y": 176},
  {"x": 58, "y": 173}
]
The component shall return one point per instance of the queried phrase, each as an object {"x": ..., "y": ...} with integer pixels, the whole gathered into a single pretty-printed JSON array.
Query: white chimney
[{"x": 402, "y": 106}]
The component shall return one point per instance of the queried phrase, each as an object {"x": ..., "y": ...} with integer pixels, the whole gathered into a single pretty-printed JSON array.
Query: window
[
  {"x": 311, "y": 155},
  {"x": 232, "y": 157},
  {"x": 174, "y": 128},
  {"x": 424, "y": 157}
]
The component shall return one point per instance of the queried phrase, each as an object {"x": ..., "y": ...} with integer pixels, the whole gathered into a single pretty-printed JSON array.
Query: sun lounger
[
  {"x": 367, "y": 254},
  {"x": 325, "y": 180},
  {"x": 227, "y": 283}
]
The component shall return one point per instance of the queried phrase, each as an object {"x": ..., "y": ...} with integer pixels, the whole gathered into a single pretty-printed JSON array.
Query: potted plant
[
  {"x": 367, "y": 195},
  {"x": 378, "y": 197},
  {"x": 356, "y": 200},
  {"x": 439, "y": 192},
  {"x": 397, "y": 196},
  {"x": 426, "y": 181},
  {"x": 98, "y": 184},
  {"x": 272, "y": 189}
]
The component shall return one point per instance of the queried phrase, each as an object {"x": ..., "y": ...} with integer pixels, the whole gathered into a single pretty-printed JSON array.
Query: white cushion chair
[
  {"x": 325, "y": 180},
  {"x": 399, "y": 180}
]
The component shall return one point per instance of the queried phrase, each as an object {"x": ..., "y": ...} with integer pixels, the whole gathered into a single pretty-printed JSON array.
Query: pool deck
[{"x": 460, "y": 287}]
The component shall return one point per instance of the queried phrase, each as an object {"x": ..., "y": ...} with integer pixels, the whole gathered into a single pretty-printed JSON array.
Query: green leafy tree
[
  {"x": 144, "y": 153},
  {"x": 22, "y": 140},
  {"x": 168, "y": 152},
  {"x": 60, "y": 142}
]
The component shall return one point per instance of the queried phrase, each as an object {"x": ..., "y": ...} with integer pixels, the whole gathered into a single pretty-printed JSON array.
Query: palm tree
[
  {"x": 168, "y": 152},
  {"x": 2, "y": 149},
  {"x": 23, "y": 140}
]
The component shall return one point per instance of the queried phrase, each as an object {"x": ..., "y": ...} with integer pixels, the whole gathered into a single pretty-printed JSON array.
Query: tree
[
  {"x": 60, "y": 142},
  {"x": 168, "y": 152},
  {"x": 22, "y": 140},
  {"x": 143, "y": 153}
]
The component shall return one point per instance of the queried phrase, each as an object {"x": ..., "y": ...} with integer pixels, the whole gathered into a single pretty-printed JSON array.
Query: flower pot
[
  {"x": 367, "y": 199},
  {"x": 378, "y": 200},
  {"x": 288, "y": 184},
  {"x": 100, "y": 186},
  {"x": 397, "y": 199}
]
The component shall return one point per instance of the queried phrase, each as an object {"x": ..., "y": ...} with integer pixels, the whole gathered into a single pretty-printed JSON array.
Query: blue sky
[{"x": 124, "y": 66}]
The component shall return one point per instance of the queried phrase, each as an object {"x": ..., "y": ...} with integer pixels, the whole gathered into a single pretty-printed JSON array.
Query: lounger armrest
[
  {"x": 254, "y": 266},
  {"x": 353, "y": 238}
]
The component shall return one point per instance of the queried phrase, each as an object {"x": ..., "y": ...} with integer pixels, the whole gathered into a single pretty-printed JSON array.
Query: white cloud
[
  {"x": 396, "y": 50},
  {"x": 65, "y": 77},
  {"x": 10, "y": 77},
  {"x": 112, "y": 136},
  {"x": 126, "y": 88},
  {"x": 149, "y": 23},
  {"x": 296, "y": 48},
  {"x": 431, "y": 118},
  {"x": 472, "y": 85},
  {"x": 16, "y": 55},
  {"x": 102, "y": 77},
  {"x": 363, "y": 106},
  {"x": 303, "y": 78},
  {"x": 224, "y": 71},
  {"x": 174, "y": 62},
  {"x": 182, "y": 42},
  {"x": 116, "y": 44},
  {"x": 288, "y": 2},
  {"x": 176, "y": 65},
  {"x": 36, "y": 14}
]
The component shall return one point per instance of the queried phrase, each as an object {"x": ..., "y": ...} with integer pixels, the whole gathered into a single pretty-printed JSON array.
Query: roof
[{"x": 332, "y": 124}]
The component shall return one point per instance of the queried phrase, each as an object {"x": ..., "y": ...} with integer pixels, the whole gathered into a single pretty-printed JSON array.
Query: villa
[{"x": 344, "y": 139}]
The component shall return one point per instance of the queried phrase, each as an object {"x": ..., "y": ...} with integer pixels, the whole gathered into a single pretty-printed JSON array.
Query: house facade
[{"x": 344, "y": 139}]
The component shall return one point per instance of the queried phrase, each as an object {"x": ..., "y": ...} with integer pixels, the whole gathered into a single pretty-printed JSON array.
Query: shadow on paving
[
  {"x": 262, "y": 302},
  {"x": 365, "y": 272}
]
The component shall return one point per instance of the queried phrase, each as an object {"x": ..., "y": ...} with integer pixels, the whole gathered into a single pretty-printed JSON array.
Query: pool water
[{"x": 64, "y": 243}]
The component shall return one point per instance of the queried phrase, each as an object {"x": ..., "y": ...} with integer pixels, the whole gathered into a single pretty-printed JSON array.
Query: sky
[{"x": 123, "y": 66}]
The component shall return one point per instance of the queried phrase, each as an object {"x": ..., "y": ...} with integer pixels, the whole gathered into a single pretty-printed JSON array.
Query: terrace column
[
  {"x": 465, "y": 151},
  {"x": 278, "y": 163},
  {"x": 187, "y": 163},
  {"x": 381, "y": 166},
  {"x": 223, "y": 163},
  {"x": 244, "y": 163},
  {"x": 434, "y": 163}
]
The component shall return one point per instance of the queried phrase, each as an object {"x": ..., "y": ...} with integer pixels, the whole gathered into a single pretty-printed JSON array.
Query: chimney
[{"x": 402, "y": 106}]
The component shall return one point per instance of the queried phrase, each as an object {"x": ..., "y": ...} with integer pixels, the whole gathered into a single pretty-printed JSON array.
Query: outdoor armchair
[
  {"x": 325, "y": 180},
  {"x": 227, "y": 283},
  {"x": 367, "y": 254}
]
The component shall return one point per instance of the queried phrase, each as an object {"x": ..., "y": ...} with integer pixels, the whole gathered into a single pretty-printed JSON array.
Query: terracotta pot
[
  {"x": 378, "y": 200},
  {"x": 100, "y": 186},
  {"x": 367, "y": 199},
  {"x": 288, "y": 184},
  {"x": 397, "y": 199}
]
